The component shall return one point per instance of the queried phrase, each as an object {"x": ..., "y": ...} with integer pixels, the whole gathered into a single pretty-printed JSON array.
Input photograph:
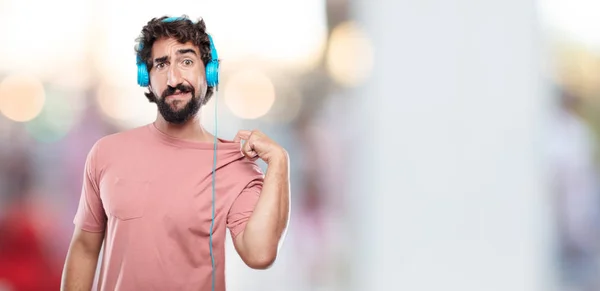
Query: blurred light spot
[
  {"x": 578, "y": 70},
  {"x": 125, "y": 104},
  {"x": 57, "y": 118},
  {"x": 21, "y": 97},
  {"x": 110, "y": 105},
  {"x": 249, "y": 94},
  {"x": 350, "y": 55}
]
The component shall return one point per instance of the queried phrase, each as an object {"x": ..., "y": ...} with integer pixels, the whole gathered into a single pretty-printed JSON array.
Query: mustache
[{"x": 180, "y": 87}]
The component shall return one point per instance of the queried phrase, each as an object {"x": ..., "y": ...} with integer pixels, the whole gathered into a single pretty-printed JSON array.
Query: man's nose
[{"x": 173, "y": 76}]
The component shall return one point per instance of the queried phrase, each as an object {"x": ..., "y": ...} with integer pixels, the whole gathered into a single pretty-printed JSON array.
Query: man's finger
[
  {"x": 242, "y": 134},
  {"x": 252, "y": 155},
  {"x": 248, "y": 151},
  {"x": 254, "y": 158},
  {"x": 247, "y": 148}
]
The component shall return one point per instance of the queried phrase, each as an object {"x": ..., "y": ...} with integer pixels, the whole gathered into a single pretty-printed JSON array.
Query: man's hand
[{"x": 258, "y": 145}]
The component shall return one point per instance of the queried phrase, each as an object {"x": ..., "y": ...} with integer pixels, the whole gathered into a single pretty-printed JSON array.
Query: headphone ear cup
[
  {"x": 212, "y": 73},
  {"x": 142, "y": 77}
]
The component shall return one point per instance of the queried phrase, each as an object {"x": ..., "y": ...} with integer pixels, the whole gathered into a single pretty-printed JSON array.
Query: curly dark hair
[{"x": 183, "y": 30}]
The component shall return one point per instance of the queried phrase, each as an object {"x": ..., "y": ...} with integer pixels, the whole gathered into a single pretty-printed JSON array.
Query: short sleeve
[
  {"x": 243, "y": 206},
  {"x": 90, "y": 214}
]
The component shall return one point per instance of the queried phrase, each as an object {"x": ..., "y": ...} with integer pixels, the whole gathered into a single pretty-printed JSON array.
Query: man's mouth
[{"x": 178, "y": 94}]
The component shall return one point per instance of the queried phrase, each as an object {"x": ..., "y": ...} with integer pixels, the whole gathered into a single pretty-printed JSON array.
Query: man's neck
[{"x": 191, "y": 130}]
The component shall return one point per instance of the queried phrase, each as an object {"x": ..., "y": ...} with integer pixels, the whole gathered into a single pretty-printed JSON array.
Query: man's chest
[{"x": 173, "y": 198}]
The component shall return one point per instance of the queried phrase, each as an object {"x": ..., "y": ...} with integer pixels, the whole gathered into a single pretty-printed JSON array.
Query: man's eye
[
  {"x": 160, "y": 66},
  {"x": 188, "y": 62}
]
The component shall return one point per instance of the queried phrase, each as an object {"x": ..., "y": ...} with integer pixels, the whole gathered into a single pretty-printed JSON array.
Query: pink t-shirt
[{"x": 152, "y": 194}]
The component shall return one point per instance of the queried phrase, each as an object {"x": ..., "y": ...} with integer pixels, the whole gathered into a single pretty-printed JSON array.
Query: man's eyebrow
[
  {"x": 161, "y": 59},
  {"x": 185, "y": 51},
  {"x": 179, "y": 52}
]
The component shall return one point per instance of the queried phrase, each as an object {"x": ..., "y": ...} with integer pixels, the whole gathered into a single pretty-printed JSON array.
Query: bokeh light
[
  {"x": 125, "y": 105},
  {"x": 350, "y": 55},
  {"x": 249, "y": 94},
  {"x": 57, "y": 118},
  {"x": 578, "y": 70},
  {"x": 22, "y": 97}
]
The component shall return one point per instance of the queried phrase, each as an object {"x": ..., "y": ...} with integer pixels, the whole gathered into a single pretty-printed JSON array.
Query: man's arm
[
  {"x": 90, "y": 225},
  {"x": 82, "y": 259},
  {"x": 258, "y": 243}
]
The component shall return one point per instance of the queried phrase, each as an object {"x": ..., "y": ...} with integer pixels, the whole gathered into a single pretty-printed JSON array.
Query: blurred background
[{"x": 435, "y": 145}]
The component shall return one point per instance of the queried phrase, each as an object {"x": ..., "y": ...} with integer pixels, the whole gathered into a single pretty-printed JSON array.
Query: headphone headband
[
  {"x": 175, "y": 18},
  {"x": 212, "y": 68}
]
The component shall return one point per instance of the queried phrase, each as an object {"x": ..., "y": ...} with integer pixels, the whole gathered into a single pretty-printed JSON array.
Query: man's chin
[
  {"x": 177, "y": 122},
  {"x": 178, "y": 111},
  {"x": 178, "y": 102},
  {"x": 176, "y": 117},
  {"x": 176, "y": 108}
]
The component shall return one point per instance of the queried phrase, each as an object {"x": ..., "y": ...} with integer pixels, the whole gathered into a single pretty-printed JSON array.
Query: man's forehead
[{"x": 171, "y": 46}]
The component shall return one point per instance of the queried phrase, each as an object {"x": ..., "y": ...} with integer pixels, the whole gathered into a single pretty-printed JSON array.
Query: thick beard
[{"x": 184, "y": 114}]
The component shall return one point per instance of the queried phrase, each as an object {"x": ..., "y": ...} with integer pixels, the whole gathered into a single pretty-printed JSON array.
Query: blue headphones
[{"x": 212, "y": 68}]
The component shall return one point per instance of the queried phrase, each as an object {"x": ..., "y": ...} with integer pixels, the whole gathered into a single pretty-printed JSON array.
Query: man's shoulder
[{"x": 121, "y": 140}]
